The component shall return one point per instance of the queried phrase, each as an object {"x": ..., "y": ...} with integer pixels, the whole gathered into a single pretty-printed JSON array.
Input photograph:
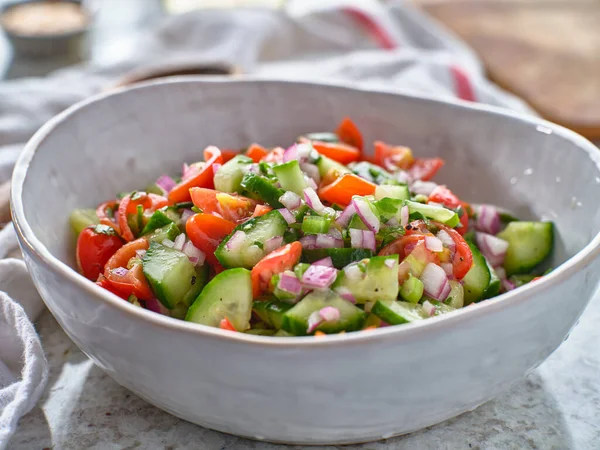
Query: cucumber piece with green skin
[
  {"x": 477, "y": 279},
  {"x": 529, "y": 244},
  {"x": 357, "y": 223},
  {"x": 271, "y": 312},
  {"x": 260, "y": 332},
  {"x": 282, "y": 333},
  {"x": 80, "y": 219},
  {"x": 412, "y": 289},
  {"x": 171, "y": 275},
  {"x": 263, "y": 189},
  {"x": 493, "y": 288},
  {"x": 229, "y": 176},
  {"x": 300, "y": 268},
  {"x": 295, "y": 320},
  {"x": 259, "y": 229},
  {"x": 372, "y": 173},
  {"x": 315, "y": 224},
  {"x": 520, "y": 280},
  {"x": 374, "y": 279},
  {"x": 399, "y": 192},
  {"x": 340, "y": 257},
  {"x": 325, "y": 164},
  {"x": 324, "y": 136},
  {"x": 456, "y": 298},
  {"x": 397, "y": 313},
  {"x": 441, "y": 308},
  {"x": 170, "y": 232},
  {"x": 158, "y": 219},
  {"x": 291, "y": 177},
  {"x": 437, "y": 213},
  {"x": 227, "y": 295}
]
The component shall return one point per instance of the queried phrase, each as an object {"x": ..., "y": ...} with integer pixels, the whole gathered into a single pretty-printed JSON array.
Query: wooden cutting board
[{"x": 545, "y": 51}]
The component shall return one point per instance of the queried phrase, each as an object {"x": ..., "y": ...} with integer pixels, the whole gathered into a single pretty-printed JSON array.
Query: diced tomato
[
  {"x": 338, "y": 151},
  {"x": 228, "y": 154},
  {"x": 204, "y": 177},
  {"x": 206, "y": 232},
  {"x": 349, "y": 134},
  {"x": 232, "y": 207},
  {"x": 94, "y": 250},
  {"x": 463, "y": 258},
  {"x": 133, "y": 280},
  {"x": 425, "y": 169},
  {"x": 104, "y": 283},
  {"x": 261, "y": 210},
  {"x": 444, "y": 196},
  {"x": 225, "y": 324},
  {"x": 341, "y": 190},
  {"x": 393, "y": 157},
  {"x": 278, "y": 261},
  {"x": 106, "y": 218},
  {"x": 205, "y": 199},
  {"x": 129, "y": 204},
  {"x": 256, "y": 152}
]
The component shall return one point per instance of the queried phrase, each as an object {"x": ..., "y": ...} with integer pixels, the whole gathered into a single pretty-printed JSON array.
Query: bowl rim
[{"x": 27, "y": 238}]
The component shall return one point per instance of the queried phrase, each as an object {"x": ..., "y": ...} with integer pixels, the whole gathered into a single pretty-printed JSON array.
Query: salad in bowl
[{"x": 312, "y": 239}]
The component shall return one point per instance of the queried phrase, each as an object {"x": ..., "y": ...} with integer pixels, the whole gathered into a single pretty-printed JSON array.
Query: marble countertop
[{"x": 555, "y": 407}]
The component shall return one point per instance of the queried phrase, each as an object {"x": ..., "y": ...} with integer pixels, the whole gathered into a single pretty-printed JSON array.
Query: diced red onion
[
  {"x": 273, "y": 243},
  {"x": 508, "y": 285},
  {"x": 345, "y": 293},
  {"x": 319, "y": 277},
  {"x": 435, "y": 282},
  {"x": 236, "y": 241},
  {"x": 392, "y": 222},
  {"x": 195, "y": 255},
  {"x": 311, "y": 183},
  {"x": 327, "y": 262},
  {"x": 488, "y": 220},
  {"x": 186, "y": 214},
  {"x": 312, "y": 171},
  {"x": 356, "y": 238},
  {"x": 290, "y": 200},
  {"x": 168, "y": 243},
  {"x": 140, "y": 253},
  {"x": 179, "y": 242},
  {"x": 353, "y": 272},
  {"x": 403, "y": 177},
  {"x": 253, "y": 168},
  {"x": 166, "y": 183},
  {"x": 120, "y": 271},
  {"x": 303, "y": 151},
  {"x": 314, "y": 320},
  {"x": 448, "y": 269},
  {"x": 313, "y": 200},
  {"x": 287, "y": 215},
  {"x": 390, "y": 263},
  {"x": 215, "y": 168},
  {"x": 428, "y": 308},
  {"x": 290, "y": 153},
  {"x": 190, "y": 171},
  {"x": 404, "y": 215},
  {"x": 328, "y": 211},
  {"x": 290, "y": 283},
  {"x": 433, "y": 244},
  {"x": 328, "y": 241},
  {"x": 492, "y": 247},
  {"x": 500, "y": 272},
  {"x": 330, "y": 314},
  {"x": 335, "y": 233},
  {"x": 446, "y": 239},
  {"x": 364, "y": 211},
  {"x": 309, "y": 242},
  {"x": 423, "y": 187},
  {"x": 346, "y": 215},
  {"x": 154, "y": 305},
  {"x": 368, "y": 240}
]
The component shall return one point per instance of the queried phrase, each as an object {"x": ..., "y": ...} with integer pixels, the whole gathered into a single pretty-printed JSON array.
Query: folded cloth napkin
[{"x": 388, "y": 47}]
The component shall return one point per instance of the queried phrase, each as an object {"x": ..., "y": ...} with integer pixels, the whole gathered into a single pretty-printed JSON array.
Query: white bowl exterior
[{"x": 341, "y": 389}]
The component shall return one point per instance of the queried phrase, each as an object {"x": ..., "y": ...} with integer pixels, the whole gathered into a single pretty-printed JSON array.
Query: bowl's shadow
[{"x": 83, "y": 407}]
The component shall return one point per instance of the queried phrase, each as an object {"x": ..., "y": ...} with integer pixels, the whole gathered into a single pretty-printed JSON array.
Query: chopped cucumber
[
  {"x": 295, "y": 320},
  {"x": 83, "y": 218},
  {"x": 412, "y": 289},
  {"x": 437, "y": 213},
  {"x": 283, "y": 333},
  {"x": 315, "y": 224},
  {"x": 370, "y": 279},
  {"x": 326, "y": 165},
  {"x": 171, "y": 275},
  {"x": 441, "y": 308},
  {"x": 229, "y": 176},
  {"x": 159, "y": 219},
  {"x": 477, "y": 280},
  {"x": 493, "y": 288},
  {"x": 170, "y": 232},
  {"x": 400, "y": 192},
  {"x": 397, "y": 313},
  {"x": 529, "y": 244},
  {"x": 291, "y": 177},
  {"x": 324, "y": 136},
  {"x": 263, "y": 189},
  {"x": 340, "y": 257},
  {"x": 520, "y": 280},
  {"x": 372, "y": 173},
  {"x": 271, "y": 312},
  {"x": 227, "y": 295},
  {"x": 456, "y": 298},
  {"x": 259, "y": 229},
  {"x": 300, "y": 268},
  {"x": 357, "y": 223},
  {"x": 260, "y": 332}
]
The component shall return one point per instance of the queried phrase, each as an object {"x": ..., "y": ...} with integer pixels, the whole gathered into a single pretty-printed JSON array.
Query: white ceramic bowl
[{"x": 340, "y": 389}]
